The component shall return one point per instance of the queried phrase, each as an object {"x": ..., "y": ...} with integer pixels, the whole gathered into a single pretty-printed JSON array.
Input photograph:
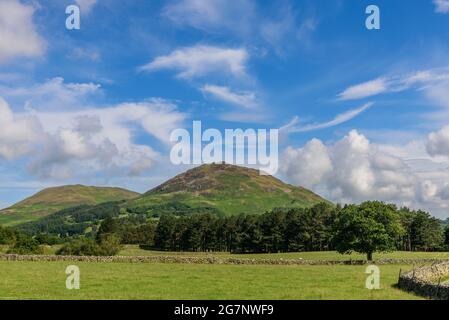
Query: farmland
[{"x": 46, "y": 280}]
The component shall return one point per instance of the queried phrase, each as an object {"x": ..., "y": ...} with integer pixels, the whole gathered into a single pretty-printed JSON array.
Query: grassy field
[{"x": 46, "y": 280}]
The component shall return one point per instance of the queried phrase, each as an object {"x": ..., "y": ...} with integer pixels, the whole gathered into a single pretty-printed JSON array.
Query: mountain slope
[
  {"x": 54, "y": 199},
  {"x": 226, "y": 189}
]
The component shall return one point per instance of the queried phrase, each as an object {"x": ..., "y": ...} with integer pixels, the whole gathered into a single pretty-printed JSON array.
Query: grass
[{"x": 46, "y": 280}]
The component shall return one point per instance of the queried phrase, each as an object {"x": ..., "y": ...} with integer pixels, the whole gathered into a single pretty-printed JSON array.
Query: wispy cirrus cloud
[
  {"x": 441, "y": 6},
  {"x": 400, "y": 83},
  {"x": 282, "y": 28},
  {"x": 211, "y": 15},
  {"x": 364, "y": 90},
  {"x": 201, "y": 60},
  {"x": 86, "y": 6},
  {"x": 243, "y": 99},
  {"x": 293, "y": 127},
  {"x": 54, "y": 93}
]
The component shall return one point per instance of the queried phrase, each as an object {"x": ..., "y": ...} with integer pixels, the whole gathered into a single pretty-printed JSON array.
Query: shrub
[
  {"x": 7, "y": 235},
  {"x": 108, "y": 246},
  {"x": 80, "y": 247},
  {"x": 26, "y": 245}
]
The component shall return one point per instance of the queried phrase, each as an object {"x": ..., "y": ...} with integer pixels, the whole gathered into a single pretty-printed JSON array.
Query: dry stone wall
[
  {"x": 426, "y": 281},
  {"x": 207, "y": 260}
]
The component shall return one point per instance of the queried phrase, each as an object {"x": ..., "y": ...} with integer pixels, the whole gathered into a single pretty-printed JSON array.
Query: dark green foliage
[
  {"x": 7, "y": 235},
  {"x": 446, "y": 235},
  {"x": 367, "y": 228},
  {"x": 108, "y": 245},
  {"x": 80, "y": 247},
  {"x": 73, "y": 221},
  {"x": 173, "y": 208},
  {"x": 279, "y": 231},
  {"x": 426, "y": 232},
  {"x": 25, "y": 245},
  {"x": 47, "y": 239}
]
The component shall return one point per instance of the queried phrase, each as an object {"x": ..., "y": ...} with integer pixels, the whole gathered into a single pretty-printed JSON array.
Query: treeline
[
  {"x": 367, "y": 228},
  {"x": 322, "y": 227},
  {"x": 72, "y": 221}
]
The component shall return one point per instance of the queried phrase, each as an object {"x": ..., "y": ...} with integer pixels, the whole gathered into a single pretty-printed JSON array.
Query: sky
[{"x": 363, "y": 114}]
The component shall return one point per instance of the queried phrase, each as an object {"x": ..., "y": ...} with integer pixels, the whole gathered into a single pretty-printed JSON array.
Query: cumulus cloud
[
  {"x": 201, "y": 60},
  {"x": 307, "y": 166},
  {"x": 63, "y": 144},
  {"x": 243, "y": 99},
  {"x": 438, "y": 142},
  {"x": 353, "y": 170},
  {"x": 293, "y": 126},
  {"x": 441, "y": 6},
  {"x": 18, "y": 34},
  {"x": 18, "y": 134}
]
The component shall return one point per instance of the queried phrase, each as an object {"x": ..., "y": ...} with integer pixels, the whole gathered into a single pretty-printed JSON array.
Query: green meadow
[{"x": 46, "y": 280}]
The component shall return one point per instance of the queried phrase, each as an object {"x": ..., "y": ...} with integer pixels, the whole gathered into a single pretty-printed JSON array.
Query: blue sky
[{"x": 364, "y": 113}]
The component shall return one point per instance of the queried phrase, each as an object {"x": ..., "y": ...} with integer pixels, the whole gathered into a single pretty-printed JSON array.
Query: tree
[
  {"x": 367, "y": 228},
  {"x": 426, "y": 232},
  {"x": 26, "y": 245},
  {"x": 165, "y": 231}
]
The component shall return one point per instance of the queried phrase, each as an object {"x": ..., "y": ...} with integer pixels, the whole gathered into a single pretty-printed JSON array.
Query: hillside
[
  {"x": 54, "y": 199},
  {"x": 225, "y": 189}
]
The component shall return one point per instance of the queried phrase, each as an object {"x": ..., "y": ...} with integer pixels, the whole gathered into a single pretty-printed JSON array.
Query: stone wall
[
  {"x": 425, "y": 281},
  {"x": 206, "y": 260}
]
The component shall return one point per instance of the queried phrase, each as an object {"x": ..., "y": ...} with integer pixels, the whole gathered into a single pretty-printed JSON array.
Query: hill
[
  {"x": 224, "y": 189},
  {"x": 54, "y": 199}
]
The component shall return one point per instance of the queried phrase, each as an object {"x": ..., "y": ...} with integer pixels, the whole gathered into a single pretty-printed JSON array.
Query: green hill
[
  {"x": 54, "y": 199},
  {"x": 225, "y": 189}
]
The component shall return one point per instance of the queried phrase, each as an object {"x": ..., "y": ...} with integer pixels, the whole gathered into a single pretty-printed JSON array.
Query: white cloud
[
  {"x": 85, "y": 54},
  {"x": 86, "y": 6},
  {"x": 354, "y": 170},
  {"x": 17, "y": 134},
  {"x": 309, "y": 165},
  {"x": 293, "y": 127},
  {"x": 201, "y": 60},
  {"x": 281, "y": 29},
  {"x": 243, "y": 99},
  {"x": 86, "y": 142},
  {"x": 438, "y": 142},
  {"x": 52, "y": 94},
  {"x": 18, "y": 34},
  {"x": 441, "y": 6},
  {"x": 211, "y": 15},
  {"x": 424, "y": 79},
  {"x": 364, "y": 90}
]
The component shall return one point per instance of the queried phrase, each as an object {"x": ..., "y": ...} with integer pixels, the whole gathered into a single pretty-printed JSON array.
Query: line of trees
[{"x": 367, "y": 228}]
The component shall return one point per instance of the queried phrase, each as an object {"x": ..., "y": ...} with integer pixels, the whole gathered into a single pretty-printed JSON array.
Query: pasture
[{"x": 46, "y": 280}]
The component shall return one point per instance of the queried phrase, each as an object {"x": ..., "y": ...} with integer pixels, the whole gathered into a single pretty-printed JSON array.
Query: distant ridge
[{"x": 54, "y": 199}]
